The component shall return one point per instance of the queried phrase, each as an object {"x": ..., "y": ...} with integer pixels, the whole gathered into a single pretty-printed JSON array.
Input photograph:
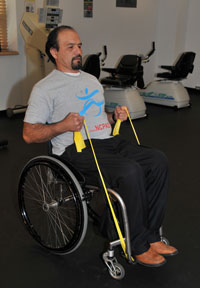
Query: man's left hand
[{"x": 120, "y": 113}]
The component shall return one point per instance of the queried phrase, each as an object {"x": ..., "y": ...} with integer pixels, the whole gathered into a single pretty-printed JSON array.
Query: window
[
  {"x": 8, "y": 28},
  {"x": 3, "y": 26}
]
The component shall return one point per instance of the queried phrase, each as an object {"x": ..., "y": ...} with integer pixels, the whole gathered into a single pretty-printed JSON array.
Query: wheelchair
[{"x": 55, "y": 203}]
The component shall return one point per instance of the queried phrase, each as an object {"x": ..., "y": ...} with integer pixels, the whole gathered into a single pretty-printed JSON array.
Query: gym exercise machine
[
  {"x": 35, "y": 28},
  {"x": 168, "y": 89},
  {"x": 93, "y": 63},
  {"x": 120, "y": 89}
]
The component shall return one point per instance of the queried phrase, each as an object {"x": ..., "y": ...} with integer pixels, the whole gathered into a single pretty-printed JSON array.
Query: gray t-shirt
[{"x": 58, "y": 94}]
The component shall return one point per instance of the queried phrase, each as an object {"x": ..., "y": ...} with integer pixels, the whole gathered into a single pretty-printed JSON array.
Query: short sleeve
[{"x": 39, "y": 107}]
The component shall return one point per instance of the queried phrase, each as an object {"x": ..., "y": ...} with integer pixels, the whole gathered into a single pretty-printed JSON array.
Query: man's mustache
[{"x": 77, "y": 57}]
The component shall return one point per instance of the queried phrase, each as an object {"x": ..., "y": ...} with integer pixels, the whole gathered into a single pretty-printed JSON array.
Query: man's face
[{"x": 69, "y": 55}]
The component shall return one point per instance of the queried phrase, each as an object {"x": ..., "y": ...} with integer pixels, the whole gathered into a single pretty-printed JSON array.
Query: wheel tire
[
  {"x": 51, "y": 205},
  {"x": 119, "y": 272}
]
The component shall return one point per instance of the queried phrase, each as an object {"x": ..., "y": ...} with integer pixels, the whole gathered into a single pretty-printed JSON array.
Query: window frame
[
  {"x": 3, "y": 26},
  {"x": 7, "y": 28}
]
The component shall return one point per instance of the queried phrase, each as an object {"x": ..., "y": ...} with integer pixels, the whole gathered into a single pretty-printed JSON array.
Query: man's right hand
[
  {"x": 38, "y": 133},
  {"x": 73, "y": 122}
]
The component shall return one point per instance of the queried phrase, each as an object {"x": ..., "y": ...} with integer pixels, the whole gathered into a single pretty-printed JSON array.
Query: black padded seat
[
  {"x": 125, "y": 74},
  {"x": 181, "y": 69}
]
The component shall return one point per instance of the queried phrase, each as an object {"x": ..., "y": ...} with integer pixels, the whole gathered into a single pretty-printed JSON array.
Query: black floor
[{"x": 24, "y": 264}]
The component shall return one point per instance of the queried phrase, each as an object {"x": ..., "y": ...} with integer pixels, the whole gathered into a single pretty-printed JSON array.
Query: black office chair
[
  {"x": 92, "y": 65},
  {"x": 125, "y": 74},
  {"x": 181, "y": 69}
]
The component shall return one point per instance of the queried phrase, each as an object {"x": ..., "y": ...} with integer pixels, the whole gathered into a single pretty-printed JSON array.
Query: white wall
[
  {"x": 12, "y": 68},
  {"x": 192, "y": 42},
  {"x": 123, "y": 30},
  {"x": 172, "y": 24}
]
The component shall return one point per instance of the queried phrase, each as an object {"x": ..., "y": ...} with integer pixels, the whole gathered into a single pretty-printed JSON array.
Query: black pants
[{"x": 139, "y": 174}]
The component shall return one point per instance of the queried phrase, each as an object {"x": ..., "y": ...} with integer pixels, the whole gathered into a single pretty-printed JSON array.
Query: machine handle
[
  {"x": 105, "y": 50},
  {"x": 152, "y": 50},
  {"x": 105, "y": 55}
]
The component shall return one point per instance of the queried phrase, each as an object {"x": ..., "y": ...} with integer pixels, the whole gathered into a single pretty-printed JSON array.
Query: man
[{"x": 57, "y": 108}]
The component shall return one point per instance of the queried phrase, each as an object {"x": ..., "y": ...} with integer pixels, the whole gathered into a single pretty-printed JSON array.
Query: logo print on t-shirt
[{"x": 89, "y": 102}]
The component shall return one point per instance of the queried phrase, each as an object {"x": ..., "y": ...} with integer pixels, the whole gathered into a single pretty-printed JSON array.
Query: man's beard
[{"x": 78, "y": 65}]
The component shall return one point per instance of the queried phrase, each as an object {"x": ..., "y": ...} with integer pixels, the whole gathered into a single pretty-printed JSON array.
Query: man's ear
[{"x": 54, "y": 53}]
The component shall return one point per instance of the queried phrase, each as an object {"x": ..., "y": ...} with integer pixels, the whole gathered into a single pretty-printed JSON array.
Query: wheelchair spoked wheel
[{"x": 52, "y": 205}]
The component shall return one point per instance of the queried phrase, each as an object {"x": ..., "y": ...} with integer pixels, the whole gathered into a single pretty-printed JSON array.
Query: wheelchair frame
[{"x": 53, "y": 203}]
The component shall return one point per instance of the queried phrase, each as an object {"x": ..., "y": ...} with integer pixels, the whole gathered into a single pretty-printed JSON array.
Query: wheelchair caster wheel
[
  {"x": 115, "y": 269},
  {"x": 165, "y": 240},
  {"x": 118, "y": 272}
]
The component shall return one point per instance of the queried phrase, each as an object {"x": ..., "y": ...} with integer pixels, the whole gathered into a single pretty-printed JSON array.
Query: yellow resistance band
[
  {"x": 107, "y": 195},
  {"x": 80, "y": 144},
  {"x": 117, "y": 127}
]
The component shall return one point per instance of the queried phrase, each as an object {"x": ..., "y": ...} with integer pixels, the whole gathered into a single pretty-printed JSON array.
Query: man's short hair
[{"x": 52, "y": 40}]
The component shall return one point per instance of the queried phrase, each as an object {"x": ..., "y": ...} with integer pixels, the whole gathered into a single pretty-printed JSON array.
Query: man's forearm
[{"x": 38, "y": 133}]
